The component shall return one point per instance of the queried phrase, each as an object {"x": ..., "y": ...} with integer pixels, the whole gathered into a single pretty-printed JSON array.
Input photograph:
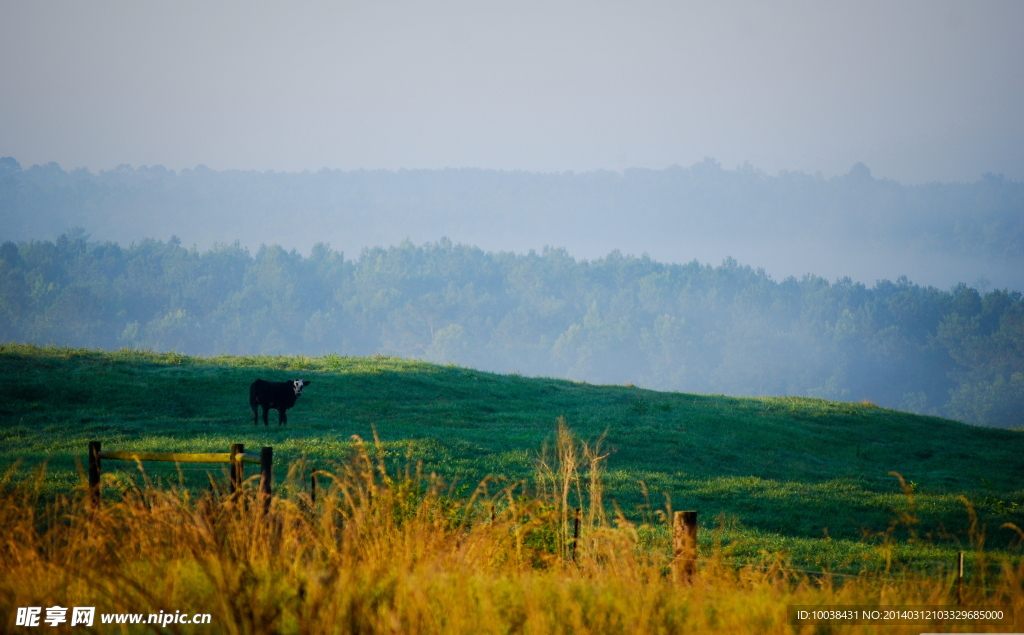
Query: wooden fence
[
  {"x": 684, "y": 524},
  {"x": 237, "y": 458}
]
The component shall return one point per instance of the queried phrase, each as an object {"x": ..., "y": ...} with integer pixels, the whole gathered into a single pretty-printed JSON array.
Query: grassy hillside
[{"x": 803, "y": 476}]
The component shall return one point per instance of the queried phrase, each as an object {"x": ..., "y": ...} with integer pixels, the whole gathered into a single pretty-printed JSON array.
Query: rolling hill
[{"x": 807, "y": 477}]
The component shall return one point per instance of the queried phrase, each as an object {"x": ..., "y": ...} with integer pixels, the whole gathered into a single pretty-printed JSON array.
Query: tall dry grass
[{"x": 385, "y": 551}]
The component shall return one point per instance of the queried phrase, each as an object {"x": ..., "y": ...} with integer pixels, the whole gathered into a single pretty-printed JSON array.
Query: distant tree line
[
  {"x": 852, "y": 220},
  {"x": 728, "y": 329}
]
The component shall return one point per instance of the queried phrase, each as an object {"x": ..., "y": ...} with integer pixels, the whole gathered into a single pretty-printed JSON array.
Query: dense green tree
[
  {"x": 846, "y": 218},
  {"x": 727, "y": 329}
]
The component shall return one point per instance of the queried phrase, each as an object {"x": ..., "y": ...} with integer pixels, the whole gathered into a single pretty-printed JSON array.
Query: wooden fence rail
[
  {"x": 237, "y": 457},
  {"x": 179, "y": 457}
]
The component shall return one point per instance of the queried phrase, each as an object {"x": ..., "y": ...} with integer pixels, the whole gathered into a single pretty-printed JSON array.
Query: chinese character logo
[
  {"x": 82, "y": 615},
  {"x": 56, "y": 615},
  {"x": 28, "y": 616}
]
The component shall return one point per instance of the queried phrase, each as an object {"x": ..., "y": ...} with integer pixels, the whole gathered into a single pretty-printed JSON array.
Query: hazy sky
[{"x": 919, "y": 91}]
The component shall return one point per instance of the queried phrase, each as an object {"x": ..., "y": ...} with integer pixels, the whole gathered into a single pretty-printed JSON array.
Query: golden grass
[{"x": 384, "y": 552}]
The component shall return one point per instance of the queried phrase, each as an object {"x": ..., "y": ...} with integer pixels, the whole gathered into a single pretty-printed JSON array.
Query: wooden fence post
[
  {"x": 312, "y": 485},
  {"x": 960, "y": 578},
  {"x": 575, "y": 532},
  {"x": 237, "y": 467},
  {"x": 94, "y": 473},
  {"x": 266, "y": 475},
  {"x": 684, "y": 546}
]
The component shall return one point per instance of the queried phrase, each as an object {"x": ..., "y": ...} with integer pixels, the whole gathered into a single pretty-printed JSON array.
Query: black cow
[{"x": 274, "y": 394}]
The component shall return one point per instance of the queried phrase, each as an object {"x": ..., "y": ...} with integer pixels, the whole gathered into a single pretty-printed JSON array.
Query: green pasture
[{"x": 805, "y": 478}]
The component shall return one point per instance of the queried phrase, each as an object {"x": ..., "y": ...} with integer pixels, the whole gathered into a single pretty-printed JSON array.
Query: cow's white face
[{"x": 297, "y": 385}]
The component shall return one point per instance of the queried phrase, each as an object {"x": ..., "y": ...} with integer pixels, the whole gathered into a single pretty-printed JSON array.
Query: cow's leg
[
  {"x": 255, "y": 414},
  {"x": 283, "y": 417},
  {"x": 266, "y": 411}
]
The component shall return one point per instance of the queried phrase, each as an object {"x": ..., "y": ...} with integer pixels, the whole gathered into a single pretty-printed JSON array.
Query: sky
[{"x": 918, "y": 91}]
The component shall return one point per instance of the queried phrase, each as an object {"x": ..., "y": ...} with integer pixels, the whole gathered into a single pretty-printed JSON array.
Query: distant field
[{"x": 803, "y": 477}]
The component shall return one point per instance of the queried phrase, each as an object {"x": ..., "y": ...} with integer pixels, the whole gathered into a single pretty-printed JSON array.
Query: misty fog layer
[
  {"x": 790, "y": 224},
  {"x": 919, "y": 90},
  {"x": 691, "y": 327}
]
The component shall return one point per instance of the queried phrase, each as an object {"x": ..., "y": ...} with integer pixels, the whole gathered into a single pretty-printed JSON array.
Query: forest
[
  {"x": 726, "y": 329},
  {"x": 791, "y": 223}
]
